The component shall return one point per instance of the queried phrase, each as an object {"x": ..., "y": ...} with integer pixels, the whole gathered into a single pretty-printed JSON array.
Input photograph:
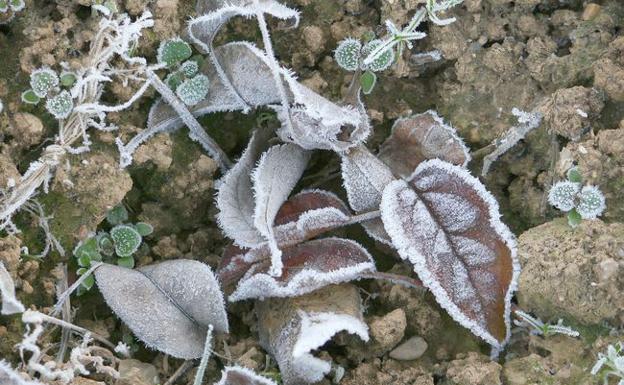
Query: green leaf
[
  {"x": 574, "y": 175},
  {"x": 106, "y": 244},
  {"x": 30, "y": 97},
  {"x": 174, "y": 80},
  {"x": 367, "y": 82},
  {"x": 4, "y": 6},
  {"x": 194, "y": 90},
  {"x": 574, "y": 218},
  {"x": 88, "y": 249},
  {"x": 68, "y": 79},
  {"x": 84, "y": 261},
  {"x": 126, "y": 239},
  {"x": 60, "y": 105},
  {"x": 174, "y": 51},
  {"x": 144, "y": 228},
  {"x": 189, "y": 68},
  {"x": 126, "y": 262},
  {"x": 81, "y": 270},
  {"x": 42, "y": 81},
  {"x": 117, "y": 215},
  {"x": 88, "y": 282}
]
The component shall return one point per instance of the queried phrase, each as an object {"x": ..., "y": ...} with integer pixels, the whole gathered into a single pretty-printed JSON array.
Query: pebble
[{"x": 411, "y": 349}]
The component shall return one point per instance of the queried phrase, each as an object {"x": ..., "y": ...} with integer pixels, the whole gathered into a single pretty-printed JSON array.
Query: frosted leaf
[
  {"x": 307, "y": 267},
  {"x": 420, "y": 137},
  {"x": 9, "y": 376},
  {"x": 168, "y": 305},
  {"x": 448, "y": 227},
  {"x": 10, "y": 304},
  {"x": 364, "y": 178},
  {"x": 238, "y": 375},
  {"x": 348, "y": 54},
  {"x": 60, "y": 105},
  {"x": 235, "y": 199},
  {"x": 591, "y": 202},
  {"x": 126, "y": 239},
  {"x": 43, "y": 81},
  {"x": 308, "y": 200},
  {"x": 382, "y": 62},
  {"x": 290, "y": 329},
  {"x": 173, "y": 51},
  {"x": 563, "y": 194},
  {"x": 277, "y": 173},
  {"x": 194, "y": 90}
]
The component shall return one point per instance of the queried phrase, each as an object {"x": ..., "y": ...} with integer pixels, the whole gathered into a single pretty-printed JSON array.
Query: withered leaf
[
  {"x": 277, "y": 173},
  {"x": 10, "y": 303},
  {"x": 447, "y": 225},
  {"x": 235, "y": 199},
  {"x": 420, "y": 137},
  {"x": 238, "y": 375},
  {"x": 168, "y": 305},
  {"x": 308, "y": 266},
  {"x": 290, "y": 329}
]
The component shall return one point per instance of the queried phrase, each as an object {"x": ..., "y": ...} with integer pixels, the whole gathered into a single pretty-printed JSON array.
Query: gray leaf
[
  {"x": 290, "y": 329},
  {"x": 237, "y": 375},
  {"x": 235, "y": 199},
  {"x": 168, "y": 305},
  {"x": 277, "y": 173},
  {"x": 10, "y": 304}
]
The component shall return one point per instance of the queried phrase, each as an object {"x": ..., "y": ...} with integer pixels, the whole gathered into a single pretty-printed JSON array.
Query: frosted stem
[
  {"x": 196, "y": 130},
  {"x": 199, "y": 376},
  {"x": 63, "y": 297},
  {"x": 275, "y": 69}
]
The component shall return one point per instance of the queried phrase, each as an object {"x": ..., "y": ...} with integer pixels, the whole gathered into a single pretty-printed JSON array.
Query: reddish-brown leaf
[{"x": 444, "y": 221}]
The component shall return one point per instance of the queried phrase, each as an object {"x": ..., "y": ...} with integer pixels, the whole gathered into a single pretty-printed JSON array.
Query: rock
[
  {"x": 314, "y": 38},
  {"x": 376, "y": 373},
  {"x": 158, "y": 150},
  {"x": 8, "y": 172},
  {"x": 412, "y": 349},
  {"x": 135, "y": 372},
  {"x": 388, "y": 331},
  {"x": 85, "y": 381},
  {"x": 27, "y": 128},
  {"x": 562, "y": 269},
  {"x": 476, "y": 369}
]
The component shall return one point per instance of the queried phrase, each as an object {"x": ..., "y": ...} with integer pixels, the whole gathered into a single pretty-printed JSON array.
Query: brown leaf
[
  {"x": 291, "y": 329},
  {"x": 305, "y": 201},
  {"x": 447, "y": 225},
  {"x": 421, "y": 137}
]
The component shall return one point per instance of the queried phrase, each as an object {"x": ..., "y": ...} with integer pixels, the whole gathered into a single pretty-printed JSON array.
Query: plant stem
[
  {"x": 63, "y": 297},
  {"x": 196, "y": 130},
  {"x": 199, "y": 376}
]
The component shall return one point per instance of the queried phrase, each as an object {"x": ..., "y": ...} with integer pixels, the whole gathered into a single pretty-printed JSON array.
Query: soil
[{"x": 564, "y": 59}]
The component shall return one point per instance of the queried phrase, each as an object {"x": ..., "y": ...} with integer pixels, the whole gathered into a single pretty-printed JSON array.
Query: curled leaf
[
  {"x": 235, "y": 195},
  {"x": 10, "y": 303},
  {"x": 447, "y": 225},
  {"x": 277, "y": 173},
  {"x": 168, "y": 305},
  {"x": 291, "y": 329},
  {"x": 307, "y": 267},
  {"x": 237, "y": 375},
  {"x": 420, "y": 137}
]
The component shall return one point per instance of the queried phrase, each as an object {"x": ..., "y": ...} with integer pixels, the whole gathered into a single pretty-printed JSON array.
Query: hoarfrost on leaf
[
  {"x": 60, "y": 105},
  {"x": 8, "y": 376},
  {"x": 126, "y": 239},
  {"x": 168, "y": 305},
  {"x": 347, "y": 54},
  {"x": 172, "y": 52},
  {"x": 591, "y": 202},
  {"x": 277, "y": 173},
  {"x": 307, "y": 267},
  {"x": 194, "y": 90},
  {"x": 447, "y": 225},
  {"x": 382, "y": 62},
  {"x": 563, "y": 194},
  {"x": 238, "y": 375},
  {"x": 10, "y": 304},
  {"x": 43, "y": 81}
]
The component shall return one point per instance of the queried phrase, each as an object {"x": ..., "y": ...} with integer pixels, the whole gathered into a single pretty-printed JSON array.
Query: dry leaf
[
  {"x": 168, "y": 305},
  {"x": 421, "y": 137},
  {"x": 237, "y": 375},
  {"x": 447, "y": 225},
  {"x": 291, "y": 329}
]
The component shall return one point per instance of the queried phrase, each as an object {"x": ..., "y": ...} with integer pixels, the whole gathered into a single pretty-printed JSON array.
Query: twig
[{"x": 186, "y": 365}]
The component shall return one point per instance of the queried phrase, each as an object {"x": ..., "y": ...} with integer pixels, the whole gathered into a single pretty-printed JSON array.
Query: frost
[
  {"x": 291, "y": 329},
  {"x": 43, "y": 81},
  {"x": 277, "y": 173},
  {"x": 537, "y": 327},
  {"x": 591, "y": 202},
  {"x": 307, "y": 267},
  {"x": 347, "y": 54},
  {"x": 10, "y": 304},
  {"x": 235, "y": 195},
  {"x": 563, "y": 194},
  {"x": 452, "y": 234},
  {"x": 8, "y": 376},
  {"x": 168, "y": 306},
  {"x": 194, "y": 90},
  {"x": 382, "y": 62},
  {"x": 420, "y": 137},
  {"x": 126, "y": 239},
  {"x": 60, "y": 105},
  {"x": 238, "y": 375},
  {"x": 527, "y": 122},
  {"x": 173, "y": 51}
]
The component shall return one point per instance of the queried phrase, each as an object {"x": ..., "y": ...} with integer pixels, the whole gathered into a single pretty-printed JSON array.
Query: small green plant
[
  {"x": 118, "y": 245},
  {"x": 580, "y": 203},
  {"x": 8, "y": 9},
  {"x": 610, "y": 364},
  {"x": 184, "y": 79},
  {"x": 46, "y": 84},
  {"x": 537, "y": 327}
]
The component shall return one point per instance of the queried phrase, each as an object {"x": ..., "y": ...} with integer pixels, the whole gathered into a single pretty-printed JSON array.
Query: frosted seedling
[
  {"x": 43, "y": 81},
  {"x": 578, "y": 202},
  {"x": 348, "y": 54},
  {"x": 194, "y": 90},
  {"x": 563, "y": 194},
  {"x": 610, "y": 364},
  {"x": 537, "y": 327},
  {"x": 60, "y": 105},
  {"x": 591, "y": 202}
]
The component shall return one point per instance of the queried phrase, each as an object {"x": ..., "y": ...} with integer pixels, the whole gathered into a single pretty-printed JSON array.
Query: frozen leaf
[
  {"x": 307, "y": 267},
  {"x": 43, "y": 81},
  {"x": 447, "y": 225},
  {"x": 348, "y": 53},
  {"x": 126, "y": 239},
  {"x": 308, "y": 200},
  {"x": 563, "y": 194},
  {"x": 174, "y": 51},
  {"x": 29, "y": 97},
  {"x": 421, "y": 137},
  {"x": 10, "y": 304},
  {"x": 290, "y": 329},
  {"x": 591, "y": 202},
  {"x": 194, "y": 90},
  {"x": 382, "y": 62},
  {"x": 235, "y": 196},
  {"x": 237, "y": 375},
  {"x": 60, "y": 105},
  {"x": 364, "y": 177},
  {"x": 277, "y": 173},
  {"x": 168, "y": 305}
]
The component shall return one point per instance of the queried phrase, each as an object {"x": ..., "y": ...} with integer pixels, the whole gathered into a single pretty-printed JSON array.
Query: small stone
[
  {"x": 135, "y": 372},
  {"x": 28, "y": 128},
  {"x": 389, "y": 330},
  {"x": 591, "y": 11},
  {"x": 412, "y": 349},
  {"x": 606, "y": 270}
]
